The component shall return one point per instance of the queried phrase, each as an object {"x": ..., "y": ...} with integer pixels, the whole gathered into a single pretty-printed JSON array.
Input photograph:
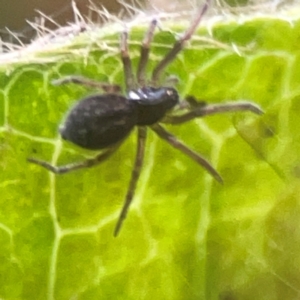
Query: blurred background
[{"x": 15, "y": 14}]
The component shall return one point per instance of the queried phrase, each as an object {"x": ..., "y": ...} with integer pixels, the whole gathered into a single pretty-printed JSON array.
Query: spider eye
[{"x": 170, "y": 92}]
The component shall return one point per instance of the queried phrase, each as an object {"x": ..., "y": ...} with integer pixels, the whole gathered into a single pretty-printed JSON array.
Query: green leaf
[{"x": 186, "y": 236}]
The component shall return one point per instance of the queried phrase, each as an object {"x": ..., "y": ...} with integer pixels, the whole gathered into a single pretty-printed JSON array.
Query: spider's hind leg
[
  {"x": 75, "y": 166},
  {"x": 142, "y": 134}
]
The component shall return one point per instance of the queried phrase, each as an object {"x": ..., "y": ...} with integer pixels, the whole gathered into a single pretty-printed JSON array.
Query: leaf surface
[{"x": 186, "y": 236}]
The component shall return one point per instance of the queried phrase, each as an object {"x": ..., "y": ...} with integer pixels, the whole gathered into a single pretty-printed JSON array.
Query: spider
[{"x": 103, "y": 121}]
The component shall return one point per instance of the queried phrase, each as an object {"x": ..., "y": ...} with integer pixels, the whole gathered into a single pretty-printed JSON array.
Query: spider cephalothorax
[{"x": 103, "y": 121}]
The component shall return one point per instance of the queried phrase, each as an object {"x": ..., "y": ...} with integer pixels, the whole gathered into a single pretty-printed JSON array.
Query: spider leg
[
  {"x": 107, "y": 87},
  {"x": 75, "y": 166},
  {"x": 179, "y": 45},
  {"x": 144, "y": 56},
  {"x": 127, "y": 67},
  {"x": 173, "y": 141},
  {"x": 142, "y": 134},
  {"x": 171, "y": 80},
  {"x": 211, "y": 109}
]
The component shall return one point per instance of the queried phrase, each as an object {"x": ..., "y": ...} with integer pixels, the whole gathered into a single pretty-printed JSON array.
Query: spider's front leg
[
  {"x": 144, "y": 56},
  {"x": 202, "y": 109},
  {"x": 178, "y": 45},
  {"x": 173, "y": 141},
  {"x": 106, "y": 87},
  {"x": 127, "y": 65}
]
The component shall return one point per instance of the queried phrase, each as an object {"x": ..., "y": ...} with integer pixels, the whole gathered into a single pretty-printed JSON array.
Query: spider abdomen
[{"x": 99, "y": 121}]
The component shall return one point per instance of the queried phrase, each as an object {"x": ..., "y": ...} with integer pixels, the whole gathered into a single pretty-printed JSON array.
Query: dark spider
[{"x": 103, "y": 121}]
